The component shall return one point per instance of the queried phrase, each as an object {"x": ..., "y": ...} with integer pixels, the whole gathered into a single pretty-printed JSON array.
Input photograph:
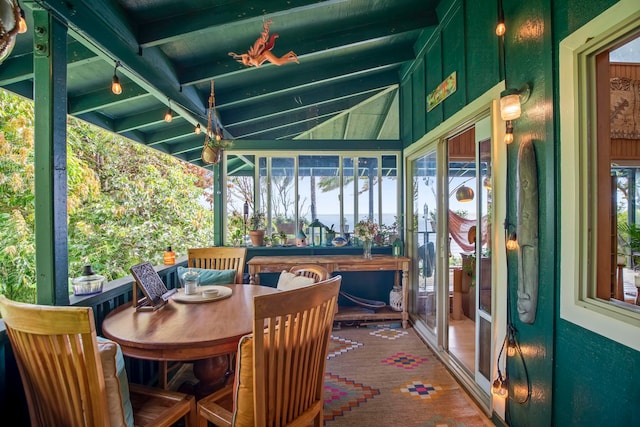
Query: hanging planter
[
  {"x": 214, "y": 143},
  {"x": 211, "y": 156}
]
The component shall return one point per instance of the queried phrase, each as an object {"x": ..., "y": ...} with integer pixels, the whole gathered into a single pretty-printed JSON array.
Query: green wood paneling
[
  {"x": 406, "y": 112},
  {"x": 419, "y": 100},
  {"x": 481, "y": 47},
  {"x": 453, "y": 59},
  {"x": 433, "y": 68}
]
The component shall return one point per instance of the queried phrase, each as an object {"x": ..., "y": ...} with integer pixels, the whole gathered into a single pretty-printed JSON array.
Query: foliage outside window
[
  {"x": 599, "y": 198},
  {"x": 294, "y": 190},
  {"x": 126, "y": 202}
]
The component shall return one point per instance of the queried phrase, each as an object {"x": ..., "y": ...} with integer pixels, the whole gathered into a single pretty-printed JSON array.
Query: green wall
[{"x": 577, "y": 378}]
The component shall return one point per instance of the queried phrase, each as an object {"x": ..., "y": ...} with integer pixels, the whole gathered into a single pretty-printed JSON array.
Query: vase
[{"x": 366, "y": 248}]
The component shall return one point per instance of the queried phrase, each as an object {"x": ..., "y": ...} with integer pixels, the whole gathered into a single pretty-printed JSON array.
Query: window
[
  {"x": 600, "y": 155},
  {"x": 293, "y": 190}
]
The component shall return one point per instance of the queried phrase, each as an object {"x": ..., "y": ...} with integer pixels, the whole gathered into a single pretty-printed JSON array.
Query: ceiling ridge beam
[
  {"x": 217, "y": 69},
  {"x": 168, "y": 30}
]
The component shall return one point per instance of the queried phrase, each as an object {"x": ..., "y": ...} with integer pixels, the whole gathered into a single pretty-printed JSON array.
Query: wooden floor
[{"x": 462, "y": 341}]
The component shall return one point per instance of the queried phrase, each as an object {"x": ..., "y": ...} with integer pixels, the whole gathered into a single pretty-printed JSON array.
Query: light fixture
[
  {"x": 198, "y": 129},
  {"x": 511, "y": 347},
  {"x": 486, "y": 182},
  {"x": 316, "y": 229},
  {"x": 512, "y": 243},
  {"x": 168, "y": 116},
  {"x": 500, "y": 27},
  {"x": 116, "y": 87},
  {"x": 500, "y": 386},
  {"x": 464, "y": 194},
  {"x": 511, "y": 101},
  {"x": 22, "y": 23},
  {"x": 508, "y": 134}
]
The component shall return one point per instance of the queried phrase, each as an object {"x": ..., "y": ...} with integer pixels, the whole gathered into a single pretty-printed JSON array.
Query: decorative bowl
[{"x": 339, "y": 241}]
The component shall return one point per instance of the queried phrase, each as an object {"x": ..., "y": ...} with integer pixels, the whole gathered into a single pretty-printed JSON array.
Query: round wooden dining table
[{"x": 202, "y": 332}]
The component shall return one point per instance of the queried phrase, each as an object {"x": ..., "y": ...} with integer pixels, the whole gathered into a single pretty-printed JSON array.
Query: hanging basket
[{"x": 211, "y": 156}]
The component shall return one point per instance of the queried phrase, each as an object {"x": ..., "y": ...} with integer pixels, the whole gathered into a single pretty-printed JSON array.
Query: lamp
[
  {"x": 464, "y": 194},
  {"x": 512, "y": 243},
  {"x": 511, "y": 100},
  {"x": 316, "y": 229},
  {"x": 508, "y": 134},
  {"x": 22, "y": 23},
  {"x": 168, "y": 116},
  {"x": 116, "y": 87}
]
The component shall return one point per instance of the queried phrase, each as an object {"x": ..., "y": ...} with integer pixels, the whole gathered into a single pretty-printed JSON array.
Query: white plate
[{"x": 201, "y": 296}]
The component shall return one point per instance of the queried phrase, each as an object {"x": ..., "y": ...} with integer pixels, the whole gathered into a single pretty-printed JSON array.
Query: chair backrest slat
[
  {"x": 56, "y": 351},
  {"x": 218, "y": 258},
  {"x": 291, "y": 336}
]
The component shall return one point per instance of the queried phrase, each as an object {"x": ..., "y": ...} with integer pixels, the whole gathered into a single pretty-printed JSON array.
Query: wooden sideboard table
[{"x": 344, "y": 263}]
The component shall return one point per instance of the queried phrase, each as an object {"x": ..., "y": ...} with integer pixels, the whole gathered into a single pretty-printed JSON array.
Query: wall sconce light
[
  {"x": 168, "y": 116},
  {"x": 512, "y": 243},
  {"x": 116, "y": 87},
  {"x": 508, "y": 134},
  {"x": 22, "y": 23},
  {"x": 464, "y": 194},
  {"x": 198, "y": 129},
  {"x": 511, "y": 100}
]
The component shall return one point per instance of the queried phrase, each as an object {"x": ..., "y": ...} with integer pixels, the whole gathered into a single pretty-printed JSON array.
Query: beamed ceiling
[{"x": 352, "y": 55}]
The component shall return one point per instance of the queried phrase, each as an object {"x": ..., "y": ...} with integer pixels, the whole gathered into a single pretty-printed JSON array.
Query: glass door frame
[{"x": 484, "y": 106}]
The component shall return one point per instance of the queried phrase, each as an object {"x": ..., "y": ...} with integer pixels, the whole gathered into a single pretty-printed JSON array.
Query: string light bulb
[
  {"x": 22, "y": 23},
  {"x": 168, "y": 116},
  {"x": 508, "y": 135},
  {"x": 512, "y": 243},
  {"x": 198, "y": 129},
  {"x": 511, "y": 347},
  {"x": 500, "y": 27},
  {"x": 116, "y": 87}
]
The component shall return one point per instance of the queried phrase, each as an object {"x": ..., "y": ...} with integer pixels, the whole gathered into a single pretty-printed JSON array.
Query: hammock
[{"x": 459, "y": 230}]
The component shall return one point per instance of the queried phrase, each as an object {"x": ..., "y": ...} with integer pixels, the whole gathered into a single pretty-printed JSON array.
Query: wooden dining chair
[
  {"x": 315, "y": 271},
  {"x": 218, "y": 258},
  {"x": 210, "y": 258},
  {"x": 280, "y": 366},
  {"x": 73, "y": 378}
]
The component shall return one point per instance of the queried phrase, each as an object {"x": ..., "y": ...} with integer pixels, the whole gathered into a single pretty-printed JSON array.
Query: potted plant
[
  {"x": 256, "y": 232},
  {"x": 330, "y": 234}
]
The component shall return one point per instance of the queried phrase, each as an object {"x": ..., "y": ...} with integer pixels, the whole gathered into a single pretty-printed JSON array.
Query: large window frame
[
  {"x": 578, "y": 177},
  {"x": 348, "y": 176}
]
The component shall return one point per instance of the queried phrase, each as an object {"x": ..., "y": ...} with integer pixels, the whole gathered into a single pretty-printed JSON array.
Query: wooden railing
[{"x": 114, "y": 294}]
